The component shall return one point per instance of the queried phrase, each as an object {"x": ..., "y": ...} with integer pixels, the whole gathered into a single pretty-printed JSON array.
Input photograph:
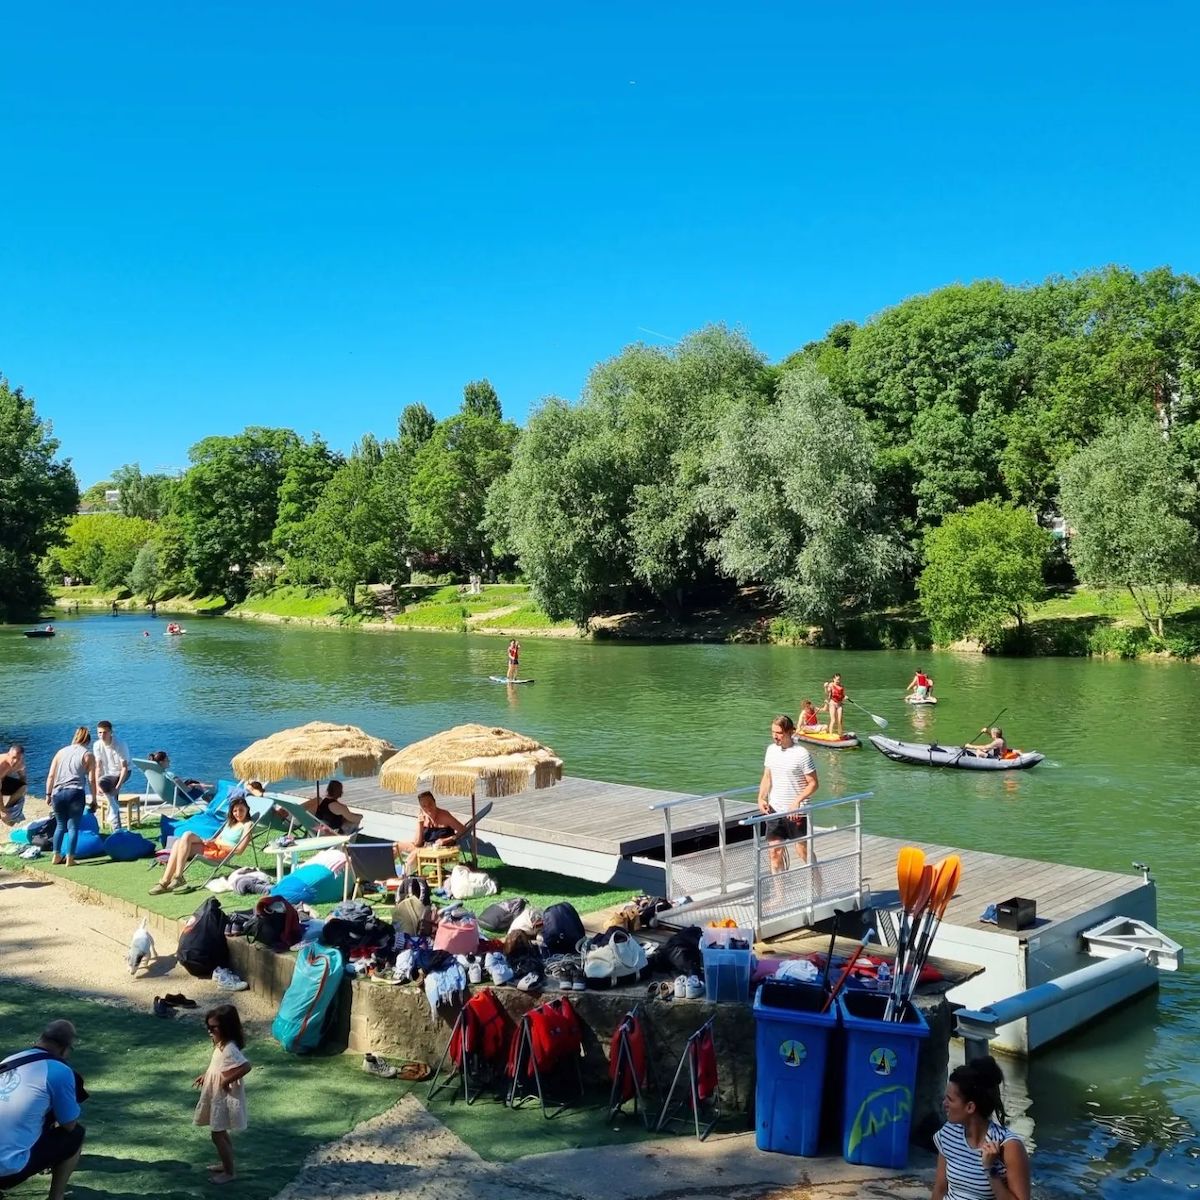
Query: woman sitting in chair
[
  {"x": 330, "y": 809},
  {"x": 233, "y": 836},
  {"x": 435, "y": 827},
  {"x": 195, "y": 788}
]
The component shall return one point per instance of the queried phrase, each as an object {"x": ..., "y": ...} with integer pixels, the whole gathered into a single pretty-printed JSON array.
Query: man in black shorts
[
  {"x": 39, "y": 1112},
  {"x": 12, "y": 785},
  {"x": 788, "y": 782}
]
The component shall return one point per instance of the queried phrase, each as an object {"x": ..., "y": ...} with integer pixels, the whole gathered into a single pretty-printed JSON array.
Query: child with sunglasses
[{"x": 222, "y": 1105}]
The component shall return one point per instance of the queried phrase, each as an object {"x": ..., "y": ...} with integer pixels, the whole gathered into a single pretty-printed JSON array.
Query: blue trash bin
[
  {"x": 791, "y": 1048},
  {"x": 881, "y": 1073}
]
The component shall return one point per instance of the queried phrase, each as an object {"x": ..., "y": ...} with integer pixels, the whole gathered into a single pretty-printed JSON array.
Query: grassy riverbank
[{"x": 1073, "y": 623}]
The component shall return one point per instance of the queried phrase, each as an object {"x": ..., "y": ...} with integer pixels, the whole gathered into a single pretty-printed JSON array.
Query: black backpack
[
  {"x": 498, "y": 917},
  {"x": 275, "y": 923},
  {"x": 562, "y": 930},
  {"x": 202, "y": 947},
  {"x": 680, "y": 954},
  {"x": 418, "y": 887}
]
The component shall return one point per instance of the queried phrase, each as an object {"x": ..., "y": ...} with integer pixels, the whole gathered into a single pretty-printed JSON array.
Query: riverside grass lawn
[{"x": 141, "y": 1141}]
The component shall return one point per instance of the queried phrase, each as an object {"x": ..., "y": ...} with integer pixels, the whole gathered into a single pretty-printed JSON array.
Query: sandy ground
[{"x": 49, "y": 934}]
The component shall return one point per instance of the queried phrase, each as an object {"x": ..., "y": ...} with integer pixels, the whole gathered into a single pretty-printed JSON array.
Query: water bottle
[{"x": 883, "y": 977}]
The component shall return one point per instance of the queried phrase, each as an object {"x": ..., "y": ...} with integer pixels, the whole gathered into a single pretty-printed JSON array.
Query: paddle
[
  {"x": 837, "y": 915},
  {"x": 841, "y": 979},
  {"x": 947, "y": 876},
  {"x": 877, "y": 719},
  {"x": 982, "y": 729},
  {"x": 915, "y": 878}
]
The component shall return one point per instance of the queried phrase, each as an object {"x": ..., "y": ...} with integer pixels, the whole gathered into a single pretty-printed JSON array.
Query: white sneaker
[
  {"x": 229, "y": 981},
  {"x": 529, "y": 983},
  {"x": 498, "y": 968},
  {"x": 680, "y": 987},
  {"x": 693, "y": 988}
]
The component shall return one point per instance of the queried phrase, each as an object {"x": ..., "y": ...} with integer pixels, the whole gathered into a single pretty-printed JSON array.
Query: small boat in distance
[{"x": 47, "y": 632}]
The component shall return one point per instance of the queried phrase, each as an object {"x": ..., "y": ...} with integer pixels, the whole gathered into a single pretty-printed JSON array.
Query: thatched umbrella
[
  {"x": 472, "y": 760},
  {"x": 316, "y": 751}
]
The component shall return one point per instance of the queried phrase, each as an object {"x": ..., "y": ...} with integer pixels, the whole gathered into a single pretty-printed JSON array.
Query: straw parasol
[
  {"x": 318, "y": 750},
  {"x": 472, "y": 760}
]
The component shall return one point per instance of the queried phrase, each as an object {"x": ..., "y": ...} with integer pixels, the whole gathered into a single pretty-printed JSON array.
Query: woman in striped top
[{"x": 979, "y": 1157}]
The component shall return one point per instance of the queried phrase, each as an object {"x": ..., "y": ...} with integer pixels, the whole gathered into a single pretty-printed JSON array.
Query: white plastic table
[{"x": 303, "y": 845}]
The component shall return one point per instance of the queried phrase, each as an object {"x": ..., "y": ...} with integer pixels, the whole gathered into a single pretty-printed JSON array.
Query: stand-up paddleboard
[
  {"x": 913, "y": 698},
  {"x": 846, "y": 740},
  {"x": 505, "y": 679},
  {"x": 174, "y": 632}
]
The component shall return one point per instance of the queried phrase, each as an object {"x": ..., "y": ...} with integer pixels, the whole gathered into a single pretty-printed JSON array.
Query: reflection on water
[{"x": 1114, "y": 1110}]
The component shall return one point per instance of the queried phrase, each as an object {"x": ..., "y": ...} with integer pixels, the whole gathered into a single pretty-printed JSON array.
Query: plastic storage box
[
  {"x": 791, "y": 1049},
  {"x": 1017, "y": 913},
  {"x": 727, "y": 971},
  {"x": 881, "y": 1073}
]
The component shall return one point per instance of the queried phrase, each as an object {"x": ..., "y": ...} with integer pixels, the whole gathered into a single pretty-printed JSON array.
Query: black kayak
[
  {"x": 39, "y": 632},
  {"x": 925, "y": 755}
]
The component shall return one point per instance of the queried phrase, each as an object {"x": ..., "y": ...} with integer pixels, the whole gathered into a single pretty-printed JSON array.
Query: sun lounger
[
  {"x": 260, "y": 808},
  {"x": 163, "y": 788}
]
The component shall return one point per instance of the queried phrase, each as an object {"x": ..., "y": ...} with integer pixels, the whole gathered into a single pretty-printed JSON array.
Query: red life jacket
[{"x": 837, "y": 693}]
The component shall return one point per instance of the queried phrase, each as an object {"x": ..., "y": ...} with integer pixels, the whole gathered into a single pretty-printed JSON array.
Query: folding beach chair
[
  {"x": 368, "y": 862},
  {"x": 297, "y": 814},
  {"x": 468, "y": 833},
  {"x": 260, "y": 808},
  {"x": 164, "y": 786},
  {"x": 478, "y": 1048}
]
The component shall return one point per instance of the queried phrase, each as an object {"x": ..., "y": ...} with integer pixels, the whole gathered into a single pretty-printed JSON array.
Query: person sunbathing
[
  {"x": 233, "y": 836},
  {"x": 331, "y": 811},
  {"x": 435, "y": 827}
]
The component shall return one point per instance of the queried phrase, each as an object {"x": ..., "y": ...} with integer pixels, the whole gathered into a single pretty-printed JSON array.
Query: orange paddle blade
[
  {"x": 948, "y": 874},
  {"x": 924, "y": 888},
  {"x": 909, "y": 867}
]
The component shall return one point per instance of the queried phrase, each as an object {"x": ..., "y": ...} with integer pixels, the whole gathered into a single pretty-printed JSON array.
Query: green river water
[{"x": 1114, "y": 1110}]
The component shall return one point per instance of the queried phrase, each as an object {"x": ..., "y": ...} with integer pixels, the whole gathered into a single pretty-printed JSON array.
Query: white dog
[{"x": 141, "y": 947}]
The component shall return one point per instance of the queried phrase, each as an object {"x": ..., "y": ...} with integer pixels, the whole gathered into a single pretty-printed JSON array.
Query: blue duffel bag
[{"x": 304, "y": 1010}]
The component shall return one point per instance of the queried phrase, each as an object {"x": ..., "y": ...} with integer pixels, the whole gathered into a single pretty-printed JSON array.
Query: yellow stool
[{"x": 435, "y": 858}]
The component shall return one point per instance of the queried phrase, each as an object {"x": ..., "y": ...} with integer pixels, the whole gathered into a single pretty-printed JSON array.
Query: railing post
[
  {"x": 721, "y": 839},
  {"x": 667, "y": 840},
  {"x": 858, "y": 892},
  {"x": 756, "y": 829}
]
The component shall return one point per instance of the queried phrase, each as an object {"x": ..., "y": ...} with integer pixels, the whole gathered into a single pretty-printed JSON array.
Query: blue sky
[{"x": 311, "y": 215}]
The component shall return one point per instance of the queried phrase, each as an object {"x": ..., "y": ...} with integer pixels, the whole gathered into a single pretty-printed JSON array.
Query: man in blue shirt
[{"x": 39, "y": 1112}]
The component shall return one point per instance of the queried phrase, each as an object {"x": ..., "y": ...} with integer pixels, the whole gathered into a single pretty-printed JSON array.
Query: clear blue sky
[{"x": 311, "y": 215}]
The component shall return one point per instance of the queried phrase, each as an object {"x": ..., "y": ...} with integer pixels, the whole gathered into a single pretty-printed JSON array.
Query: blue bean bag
[
  {"x": 88, "y": 822},
  {"x": 89, "y": 844},
  {"x": 310, "y": 884},
  {"x": 127, "y": 846}
]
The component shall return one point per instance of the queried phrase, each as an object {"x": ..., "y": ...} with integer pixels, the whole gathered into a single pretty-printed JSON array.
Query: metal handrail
[
  {"x": 682, "y": 800},
  {"x": 758, "y": 818},
  {"x": 666, "y": 807}
]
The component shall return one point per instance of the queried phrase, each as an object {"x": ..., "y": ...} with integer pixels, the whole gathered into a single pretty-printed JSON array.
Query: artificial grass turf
[{"x": 131, "y": 881}]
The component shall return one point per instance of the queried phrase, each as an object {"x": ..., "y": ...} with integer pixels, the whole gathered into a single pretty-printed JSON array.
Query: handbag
[{"x": 457, "y": 937}]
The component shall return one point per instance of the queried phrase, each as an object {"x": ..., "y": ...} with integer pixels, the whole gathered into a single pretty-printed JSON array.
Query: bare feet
[{"x": 221, "y": 1177}]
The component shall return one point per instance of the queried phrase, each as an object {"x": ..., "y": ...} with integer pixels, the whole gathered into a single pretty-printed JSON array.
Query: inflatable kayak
[
  {"x": 915, "y": 699},
  {"x": 39, "y": 632},
  {"x": 925, "y": 755},
  {"x": 846, "y": 740}
]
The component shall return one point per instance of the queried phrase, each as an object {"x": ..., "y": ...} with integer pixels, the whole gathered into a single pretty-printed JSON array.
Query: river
[{"x": 1114, "y": 1110}]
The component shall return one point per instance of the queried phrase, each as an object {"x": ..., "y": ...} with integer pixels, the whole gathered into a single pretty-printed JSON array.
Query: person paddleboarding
[
  {"x": 835, "y": 699},
  {"x": 921, "y": 686},
  {"x": 514, "y": 658}
]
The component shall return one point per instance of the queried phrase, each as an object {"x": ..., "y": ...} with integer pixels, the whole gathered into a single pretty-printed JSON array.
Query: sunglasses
[{"x": 213, "y": 1028}]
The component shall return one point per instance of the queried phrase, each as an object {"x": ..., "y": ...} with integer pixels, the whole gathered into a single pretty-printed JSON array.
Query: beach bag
[
  {"x": 38, "y": 833},
  {"x": 305, "y": 1008},
  {"x": 127, "y": 846},
  {"x": 457, "y": 937},
  {"x": 562, "y": 930},
  {"x": 528, "y": 920},
  {"x": 680, "y": 954},
  {"x": 499, "y": 917},
  {"x": 612, "y": 957},
  {"x": 275, "y": 924},
  {"x": 202, "y": 946},
  {"x": 465, "y": 884}
]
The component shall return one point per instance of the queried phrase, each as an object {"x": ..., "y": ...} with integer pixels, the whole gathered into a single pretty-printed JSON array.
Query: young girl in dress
[{"x": 222, "y": 1105}]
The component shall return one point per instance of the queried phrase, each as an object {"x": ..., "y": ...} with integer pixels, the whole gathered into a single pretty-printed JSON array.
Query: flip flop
[{"x": 413, "y": 1072}]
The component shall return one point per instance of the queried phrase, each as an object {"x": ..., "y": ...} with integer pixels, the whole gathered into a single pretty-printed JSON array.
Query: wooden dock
[{"x": 609, "y": 833}]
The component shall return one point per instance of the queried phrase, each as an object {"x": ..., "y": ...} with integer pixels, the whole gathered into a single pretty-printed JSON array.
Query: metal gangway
[{"x": 766, "y": 882}]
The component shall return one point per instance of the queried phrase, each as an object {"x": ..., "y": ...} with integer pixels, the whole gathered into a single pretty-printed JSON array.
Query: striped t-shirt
[
  {"x": 788, "y": 766},
  {"x": 965, "y": 1177}
]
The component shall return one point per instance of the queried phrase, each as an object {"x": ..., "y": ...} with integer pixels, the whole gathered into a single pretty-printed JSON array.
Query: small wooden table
[
  {"x": 301, "y": 846},
  {"x": 435, "y": 858},
  {"x": 129, "y": 805}
]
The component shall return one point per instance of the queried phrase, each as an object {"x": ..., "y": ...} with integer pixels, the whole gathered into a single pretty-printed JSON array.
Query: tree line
[{"x": 922, "y": 453}]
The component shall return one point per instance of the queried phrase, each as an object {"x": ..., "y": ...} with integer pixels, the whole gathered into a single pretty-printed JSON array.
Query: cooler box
[
  {"x": 791, "y": 1048},
  {"x": 726, "y": 971},
  {"x": 881, "y": 1072}
]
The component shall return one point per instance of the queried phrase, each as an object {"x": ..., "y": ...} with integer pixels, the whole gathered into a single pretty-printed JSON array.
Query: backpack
[
  {"x": 412, "y": 917},
  {"x": 416, "y": 886},
  {"x": 359, "y": 931},
  {"x": 680, "y": 954},
  {"x": 41, "y": 833},
  {"x": 275, "y": 923},
  {"x": 499, "y": 917},
  {"x": 202, "y": 946},
  {"x": 612, "y": 957},
  {"x": 562, "y": 930}
]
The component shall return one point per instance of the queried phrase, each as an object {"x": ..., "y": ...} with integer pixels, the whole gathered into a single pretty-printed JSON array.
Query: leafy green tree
[
  {"x": 480, "y": 400},
  {"x": 95, "y": 498},
  {"x": 561, "y": 511},
  {"x": 792, "y": 500},
  {"x": 447, "y": 491},
  {"x": 227, "y": 503},
  {"x": 144, "y": 577},
  {"x": 101, "y": 548},
  {"x": 983, "y": 569},
  {"x": 347, "y": 538},
  {"x": 37, "y": 494},
  {"x": 142, "y": 496},
  {"x": 415, "y": 427},
  {"x": 1127, "y": 503},
  {"x": 309, "y": 469}
]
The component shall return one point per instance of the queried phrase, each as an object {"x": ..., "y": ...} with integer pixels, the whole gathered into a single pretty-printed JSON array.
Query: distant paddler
[
  {"x": 809, "y": 720},
  {"x": 514, "y": 658},
  {"x": 921, "y": 686}
]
